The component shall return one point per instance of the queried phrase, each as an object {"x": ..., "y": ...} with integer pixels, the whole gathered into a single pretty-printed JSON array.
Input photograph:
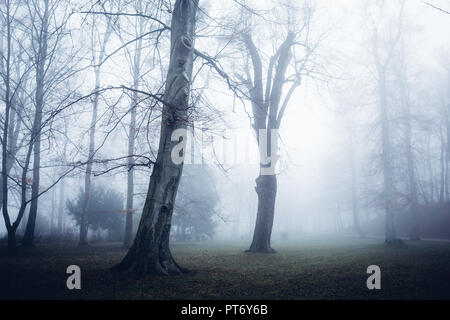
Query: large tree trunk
[
  {"x": 266, "y": 189},
  {"x": 150, "y": 252}
]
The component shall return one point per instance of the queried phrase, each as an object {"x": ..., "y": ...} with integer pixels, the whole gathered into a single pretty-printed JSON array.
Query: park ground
[{"x": 310, "y": 268}]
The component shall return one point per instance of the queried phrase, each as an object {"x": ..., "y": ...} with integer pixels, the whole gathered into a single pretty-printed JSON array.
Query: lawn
[{"x": 326, "y": 268}]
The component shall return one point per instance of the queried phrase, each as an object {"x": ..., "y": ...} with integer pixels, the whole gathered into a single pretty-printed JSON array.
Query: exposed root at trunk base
[{"x": 152, "y": 266}]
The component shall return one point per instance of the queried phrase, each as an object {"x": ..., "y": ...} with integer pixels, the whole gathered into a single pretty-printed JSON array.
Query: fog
[{"x": 330, "y": 144}]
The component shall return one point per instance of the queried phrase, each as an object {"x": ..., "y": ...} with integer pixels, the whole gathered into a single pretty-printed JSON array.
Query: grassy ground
[{"x": 328, "y": 268}]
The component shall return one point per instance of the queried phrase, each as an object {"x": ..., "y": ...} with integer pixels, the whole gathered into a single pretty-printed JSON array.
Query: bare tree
[
  {"x": 99, "y": 40},
  {"x": 135, "y": 62},
  {"x": 382, "y": 64},
  {"x": 52, "y": 66},
  {"x": 354, "y": 185},
  {"x": 150, "y": 252},
  {"x": 40, "y": 40},
  {"x": 8, "y": 99},
  {"x": 268, "y": 108},
  {"x": 408, "y": 142}
]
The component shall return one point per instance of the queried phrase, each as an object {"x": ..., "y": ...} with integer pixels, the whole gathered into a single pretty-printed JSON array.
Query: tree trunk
[
  {"x": 12, "y": 242},
  {"x": 61, "y": 204},
  {"x": 266, "y": 189},
  {"x": 87, "y": 178},
  {"x": 7, "y": 134},
  {"x": 442, "y": 171},
  {"x": 413, "y": 193},
  {"x": 31, "y": 224},
  {"x": 52, "y": 214},
  {"x": 391, "y": 232},
  {"x": 130, "y": 175},
  {"x": 14, "y": 128},
  {"x": 36, "y": 136},
  {"x": 97, "y": 60},
  {"x": 150, "y": 252},
  {"x": 355, "y": 202},
  {"x": 430, "y": 169},
  {"x": 414, "y": 202},
  {"x": 61, "y": 208},
  {"x": 266, "y": 115},
  {"x": 130, "y": 183},
  {"x": 136, "y": 70}
]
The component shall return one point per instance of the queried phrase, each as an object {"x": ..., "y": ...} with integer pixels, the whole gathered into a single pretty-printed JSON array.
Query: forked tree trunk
[
  {"x": 267, "y": 117},
  {"x": 150, "y": 252},
  {"x": 11, "y": 226}
]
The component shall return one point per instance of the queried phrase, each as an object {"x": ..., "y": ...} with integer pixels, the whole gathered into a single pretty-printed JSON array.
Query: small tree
[
  {"x": 196, "y": 204},
  {"x": 104, "y": 211}
]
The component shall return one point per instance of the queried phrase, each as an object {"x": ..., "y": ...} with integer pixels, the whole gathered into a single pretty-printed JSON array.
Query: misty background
[{"x": 330, "y": 141}]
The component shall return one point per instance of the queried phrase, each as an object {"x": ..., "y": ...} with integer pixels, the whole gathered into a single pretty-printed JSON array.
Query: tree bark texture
[{"x": 150, "y": 252}]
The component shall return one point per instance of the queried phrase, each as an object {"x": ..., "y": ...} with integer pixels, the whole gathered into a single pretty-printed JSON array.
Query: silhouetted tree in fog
[
  {"x": 382, "y": 57},
  {"x": 268, "y": 108},
  {"x": 99, "y": 40}
]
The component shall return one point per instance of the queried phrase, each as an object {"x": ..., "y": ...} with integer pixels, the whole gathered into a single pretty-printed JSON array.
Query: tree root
[{"x": 153, "y": 266}]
